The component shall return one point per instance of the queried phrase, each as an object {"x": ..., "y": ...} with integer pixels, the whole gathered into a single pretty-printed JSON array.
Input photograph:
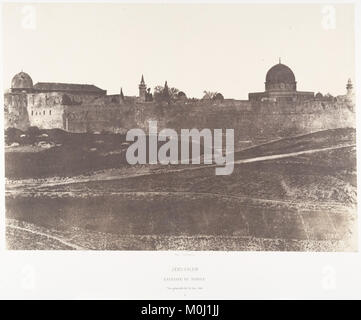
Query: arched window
[
  {"x": 49, "y": 112},
  {"x": 44, "y": 112},
  {"x": 32, "y": 112}
]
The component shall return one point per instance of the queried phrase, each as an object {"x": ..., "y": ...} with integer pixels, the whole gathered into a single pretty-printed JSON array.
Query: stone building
[
  {"x": 87, "y": 108},
  {"x": 44, "y": 104},
  {"x": 280, "y": 86}
]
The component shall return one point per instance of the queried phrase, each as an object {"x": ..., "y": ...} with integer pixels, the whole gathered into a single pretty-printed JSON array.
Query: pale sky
[{"x": 217, "y": 47}]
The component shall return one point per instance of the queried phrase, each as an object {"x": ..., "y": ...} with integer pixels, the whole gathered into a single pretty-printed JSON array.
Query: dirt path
[
  {"x": 68, "y": 244},
  {"x": 203, "y": 242},
  {"x": 291, "y": 154}
]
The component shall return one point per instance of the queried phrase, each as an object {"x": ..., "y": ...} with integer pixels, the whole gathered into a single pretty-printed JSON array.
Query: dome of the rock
[{"x": 280, "y": 77}]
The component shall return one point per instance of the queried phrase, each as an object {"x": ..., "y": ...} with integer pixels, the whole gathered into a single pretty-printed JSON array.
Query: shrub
[
  {"x": 33, "y": 131},
  {"x": 12, "y": 135}
]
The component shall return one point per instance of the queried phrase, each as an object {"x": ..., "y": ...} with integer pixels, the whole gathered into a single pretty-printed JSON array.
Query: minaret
[
  {"x": 349, "y": 88},
  {"x": 142, "y": 90},
  {"x": 350, "y": 96}
]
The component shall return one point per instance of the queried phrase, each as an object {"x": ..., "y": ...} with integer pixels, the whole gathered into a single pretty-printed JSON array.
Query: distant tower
[
  {"x": 142, "y": 90},
  {"x": 349, "y": 88}
]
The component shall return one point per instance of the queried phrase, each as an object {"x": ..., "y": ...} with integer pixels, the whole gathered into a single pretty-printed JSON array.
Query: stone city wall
[
  {"x": 86, "y": 114},
  {"x": 247, "y": 120}
]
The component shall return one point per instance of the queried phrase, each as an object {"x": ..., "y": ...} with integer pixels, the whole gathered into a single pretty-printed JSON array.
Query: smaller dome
[
  {"x": 21, "y": 81},
  {"x": 219, "y": 96},
  {"x": 181, "y": 94},
  {"x": 318, "y": 96}
]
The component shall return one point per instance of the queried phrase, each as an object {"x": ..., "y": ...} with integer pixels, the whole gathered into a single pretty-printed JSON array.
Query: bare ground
[{"x": 283, "y": 197}]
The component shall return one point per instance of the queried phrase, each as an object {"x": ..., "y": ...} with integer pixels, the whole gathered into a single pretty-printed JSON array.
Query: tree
[
  {"x": 33, "y": 131},
  {"x": 173, "y": 93},
  {"x": 209, "y": 95},
  {"x": 165, "y": 93},
  {"x": 158, "y": 91},
  {"x": 148, "y": 95},
  {"x": 121, "y": 94},
  {"x": 170, "y": 94}
]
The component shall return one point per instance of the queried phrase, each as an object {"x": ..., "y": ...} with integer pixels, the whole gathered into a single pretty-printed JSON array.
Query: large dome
[
  {"x": 280, "y": 77},
  {"x": 21, "y": 81}
]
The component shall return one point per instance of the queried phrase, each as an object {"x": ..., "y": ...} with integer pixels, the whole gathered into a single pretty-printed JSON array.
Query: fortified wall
[
  {"x": 279, "y": 111},
  {"x": 248, "y": 119}
]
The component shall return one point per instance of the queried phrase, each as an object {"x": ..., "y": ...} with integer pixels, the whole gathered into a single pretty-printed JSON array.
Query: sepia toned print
[{"x": 156, "y": 165}]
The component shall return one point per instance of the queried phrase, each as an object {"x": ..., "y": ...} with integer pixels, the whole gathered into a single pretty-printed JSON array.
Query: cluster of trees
[
  {"x": 211, "y": 95},
  {"x": 164, "y": 93},
  {"x": 327, "y": 96}
]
